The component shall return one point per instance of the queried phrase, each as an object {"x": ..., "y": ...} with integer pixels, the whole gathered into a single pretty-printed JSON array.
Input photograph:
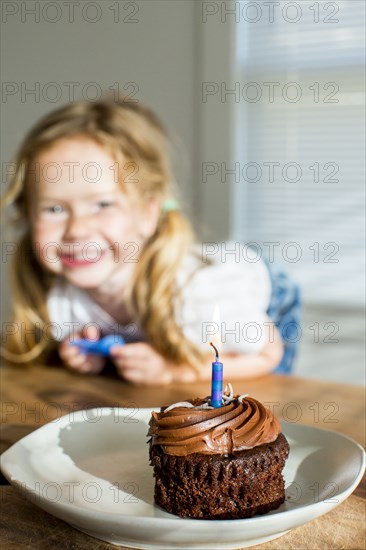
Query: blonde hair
[{"x": 132, "y": 132}]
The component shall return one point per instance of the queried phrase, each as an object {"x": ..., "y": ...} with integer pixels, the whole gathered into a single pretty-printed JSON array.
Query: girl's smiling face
[{"x": 83, "y": 226}]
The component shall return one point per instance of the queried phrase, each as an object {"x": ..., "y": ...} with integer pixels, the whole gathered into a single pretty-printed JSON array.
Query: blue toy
[{"x": 102, "y": 346}]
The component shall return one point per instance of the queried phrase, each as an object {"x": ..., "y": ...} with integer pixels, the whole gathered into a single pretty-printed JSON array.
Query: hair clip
[{"x": 169, "y": 205}]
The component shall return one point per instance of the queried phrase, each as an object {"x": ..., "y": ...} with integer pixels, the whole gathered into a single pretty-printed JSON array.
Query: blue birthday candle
[{"x": 216, "y": 381}]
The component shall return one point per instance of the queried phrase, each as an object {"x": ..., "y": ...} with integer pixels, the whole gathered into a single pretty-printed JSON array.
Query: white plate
[{"x": 90, "y": 468}]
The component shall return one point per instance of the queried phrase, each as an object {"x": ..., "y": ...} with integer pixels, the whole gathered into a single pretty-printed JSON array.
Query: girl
[{"x": 105, "y": 249}]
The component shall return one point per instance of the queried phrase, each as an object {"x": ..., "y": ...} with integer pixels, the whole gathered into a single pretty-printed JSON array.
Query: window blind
[{"x": 301, "y": 149}]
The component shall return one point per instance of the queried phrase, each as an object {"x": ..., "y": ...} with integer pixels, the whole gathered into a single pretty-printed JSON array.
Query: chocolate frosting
[{"x": 240, "y": 424}]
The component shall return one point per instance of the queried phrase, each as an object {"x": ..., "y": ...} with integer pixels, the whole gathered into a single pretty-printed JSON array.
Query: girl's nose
[{"x": 78, "y": 227}]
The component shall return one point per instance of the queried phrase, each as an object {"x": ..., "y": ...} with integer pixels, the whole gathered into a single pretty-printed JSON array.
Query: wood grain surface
[{"x": 33, "y": 396}]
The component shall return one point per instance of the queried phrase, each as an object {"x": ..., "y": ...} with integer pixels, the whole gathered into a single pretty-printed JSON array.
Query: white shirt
[{"x": 240, "y": 288}]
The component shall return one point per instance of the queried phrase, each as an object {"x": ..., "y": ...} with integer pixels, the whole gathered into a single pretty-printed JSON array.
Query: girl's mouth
[{"x": 74, "y": 260}]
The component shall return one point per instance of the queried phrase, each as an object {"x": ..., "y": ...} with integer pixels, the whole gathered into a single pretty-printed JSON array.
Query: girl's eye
[
  {"x": 54, "y": 209},
  {"x": 102, "y": 205}
]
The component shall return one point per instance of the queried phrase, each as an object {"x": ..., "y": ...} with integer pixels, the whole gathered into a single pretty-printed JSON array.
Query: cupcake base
[{"x": 209, "y": 486}]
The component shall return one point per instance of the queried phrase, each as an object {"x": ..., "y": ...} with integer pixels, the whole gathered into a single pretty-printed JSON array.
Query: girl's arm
[
  {"x": 237, "y": 365},
  {"x": 140, "y": 364}
]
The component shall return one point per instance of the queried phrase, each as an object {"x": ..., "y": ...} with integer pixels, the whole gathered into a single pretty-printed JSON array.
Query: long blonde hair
[{"x": 133, "y": 133}]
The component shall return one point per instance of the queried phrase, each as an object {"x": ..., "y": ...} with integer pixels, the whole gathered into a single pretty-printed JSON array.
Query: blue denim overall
[{"x": 285, "y": 311}]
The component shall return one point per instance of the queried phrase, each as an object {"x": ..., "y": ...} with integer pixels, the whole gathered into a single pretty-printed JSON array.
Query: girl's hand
[
  {"x": 140, "y": 364},
  {"x": 75, "y": 359}
]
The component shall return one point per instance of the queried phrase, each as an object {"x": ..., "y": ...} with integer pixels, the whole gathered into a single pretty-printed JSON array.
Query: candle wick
[{"x": 217, "y": 353}]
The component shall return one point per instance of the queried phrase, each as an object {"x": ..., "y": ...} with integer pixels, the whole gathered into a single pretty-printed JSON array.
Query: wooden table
[{"x": 33, "y": 396}]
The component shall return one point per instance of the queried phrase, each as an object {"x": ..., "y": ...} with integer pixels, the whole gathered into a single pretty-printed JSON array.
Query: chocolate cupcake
[{"x": 218, "y": 463}]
